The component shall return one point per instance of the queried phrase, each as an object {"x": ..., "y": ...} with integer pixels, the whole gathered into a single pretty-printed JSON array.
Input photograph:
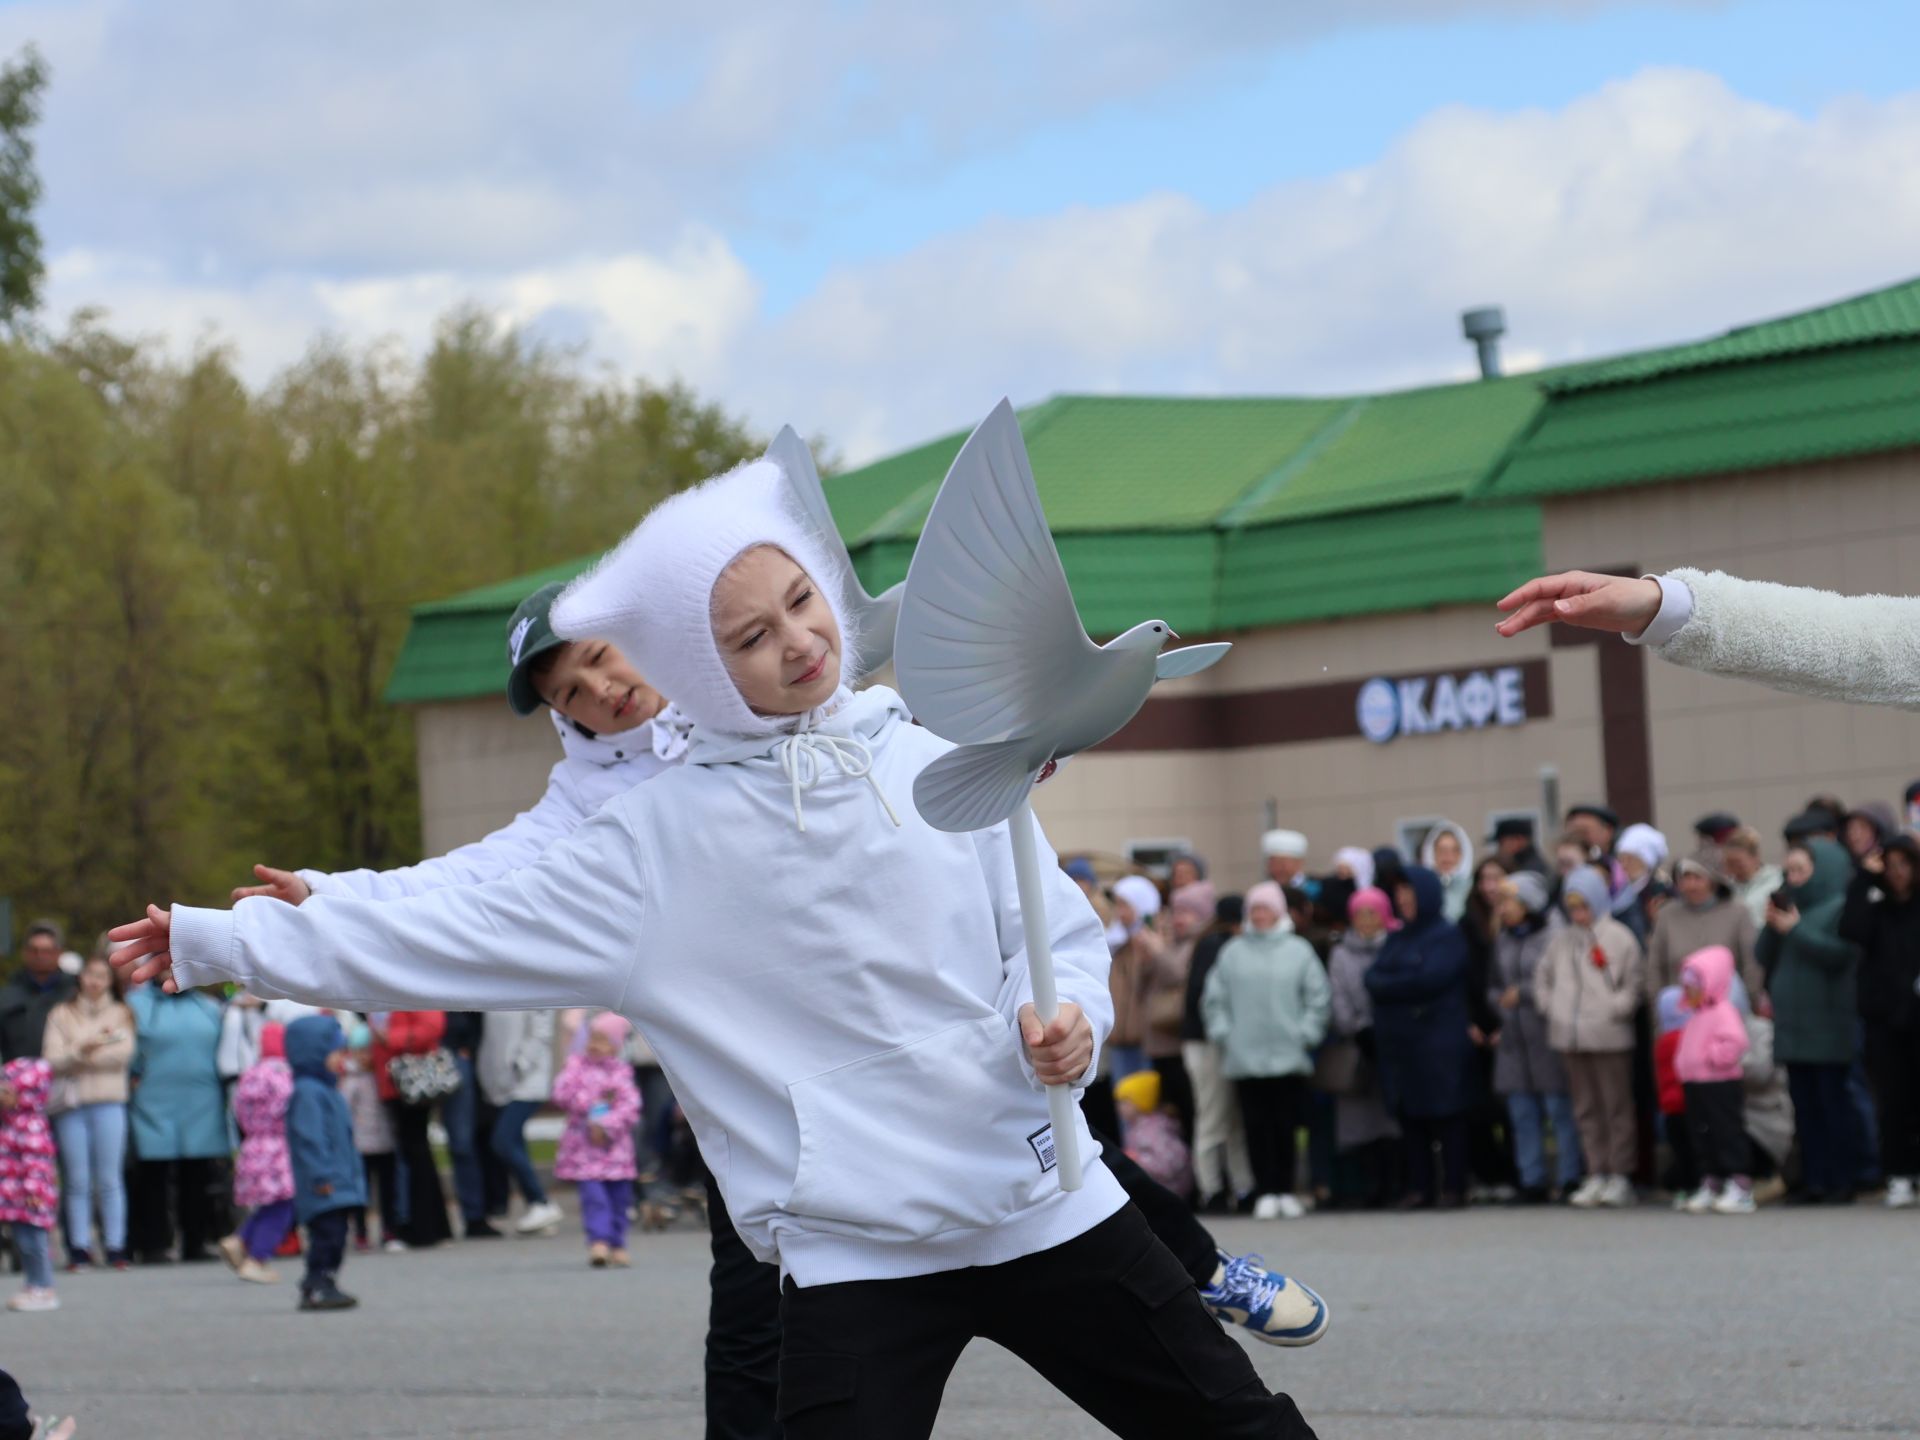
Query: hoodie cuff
[
  {"x": 202, "y": 945},
  {"x": 1676, "y": 609}
]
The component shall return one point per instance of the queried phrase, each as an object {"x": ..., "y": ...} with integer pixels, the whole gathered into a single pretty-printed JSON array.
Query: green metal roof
[
  {"x": 1889, "y": 314},
  {"x": 1220, "y": 514}
]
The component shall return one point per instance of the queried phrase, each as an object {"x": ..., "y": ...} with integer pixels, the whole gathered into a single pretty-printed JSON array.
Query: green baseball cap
[{"x": 530, "y": 634}]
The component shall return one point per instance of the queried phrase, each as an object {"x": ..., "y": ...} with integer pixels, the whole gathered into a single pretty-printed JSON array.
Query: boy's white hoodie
[
  {"x": 836, "y": 1008},
  {"x": 592, "y": 771}
]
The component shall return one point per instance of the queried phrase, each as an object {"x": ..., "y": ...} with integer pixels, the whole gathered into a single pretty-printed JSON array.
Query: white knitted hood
[{"x": 652, "y": 594}]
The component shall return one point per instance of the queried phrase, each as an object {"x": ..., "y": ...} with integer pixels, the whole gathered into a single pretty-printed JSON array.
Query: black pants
[
  {"x": 166, "y": 1191},
  {"x": 1422, "y": 1134},
  {"x": 496, "y": 1182},
  {"x": 326, "y": 1247},
  {"x": 1823, "y": 1118},
  {"x": 1893, "y": 1065},
  {"x": 1716, "y": 1122},
  {"x": 743, "y": 1333},
  {"x": 1273, "y": 1107},
  {"x": 13, "y": 1411},
  {"x": 743, "y": 1321},
  {"x": 1682, "y": 1174},
  {"x": 427, "y": 1222},
  {"x": 1110, "y": 1318},
  {"x": 1176, "y": 1089},
  {"x": 382, "y": 1176}
]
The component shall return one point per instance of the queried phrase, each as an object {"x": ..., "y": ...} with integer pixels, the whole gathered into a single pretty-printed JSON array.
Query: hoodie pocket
[{"x": 942, "y": 1134}]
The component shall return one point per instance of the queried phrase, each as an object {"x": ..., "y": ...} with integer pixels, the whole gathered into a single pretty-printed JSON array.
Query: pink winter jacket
[
  {"x": 29, "y": 1184},
  {"x": 1714, "y": 1039},
  {"x": 582, "y": 1084},
  {"x": 263, "y": 1171}
]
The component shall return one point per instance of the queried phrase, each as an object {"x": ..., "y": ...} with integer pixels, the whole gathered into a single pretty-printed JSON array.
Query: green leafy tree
[{"x": 22, "y": 84}]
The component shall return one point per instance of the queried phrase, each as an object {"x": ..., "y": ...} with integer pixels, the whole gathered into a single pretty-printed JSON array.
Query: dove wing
[
  {"x": 989, "y": 643},
  {"x": 873, "y": 617},
  {"x": 1187, "y": 660}
]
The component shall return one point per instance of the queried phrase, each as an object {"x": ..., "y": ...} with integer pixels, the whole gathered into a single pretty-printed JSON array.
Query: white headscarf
[
  {"x": 1359, "y": 861},
  {"x": 652, "y": 595},
  {"x": 1141, "y": 893}
]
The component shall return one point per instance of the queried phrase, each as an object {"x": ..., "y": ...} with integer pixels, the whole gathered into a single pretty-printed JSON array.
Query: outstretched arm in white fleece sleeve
[
  {"x": 1859, "y": 648},
  {"x": 562, "y": 932}
]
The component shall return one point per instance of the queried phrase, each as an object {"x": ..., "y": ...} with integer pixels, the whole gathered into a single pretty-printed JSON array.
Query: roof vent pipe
[{"x": 1484, "y": 327}]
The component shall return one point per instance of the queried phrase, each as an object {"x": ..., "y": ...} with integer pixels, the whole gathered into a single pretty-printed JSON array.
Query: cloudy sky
[{"x": 874, "y": 219}]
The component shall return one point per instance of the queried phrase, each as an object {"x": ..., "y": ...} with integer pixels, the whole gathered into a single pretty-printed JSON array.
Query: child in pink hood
[
  {"x": 263, "y": 1170},
  {"x": 29, "y": 1184},
  {"x": 1708, "y": 1062},
  {"x": 595, "y": 1088}
]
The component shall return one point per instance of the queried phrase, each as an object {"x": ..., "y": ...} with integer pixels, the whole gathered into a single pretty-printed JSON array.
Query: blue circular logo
[{"x": 1378, "y": 710}]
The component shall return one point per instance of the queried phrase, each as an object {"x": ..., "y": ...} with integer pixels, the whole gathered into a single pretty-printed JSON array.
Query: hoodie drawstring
[{"x": 800, "y": 758}]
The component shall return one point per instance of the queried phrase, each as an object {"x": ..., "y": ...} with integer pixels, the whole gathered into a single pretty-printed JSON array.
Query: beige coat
[
  {"x": 1589, "y": 1008},
  {"x": 1681, "y": 930},
  {"x": 81, "y": 1077}
]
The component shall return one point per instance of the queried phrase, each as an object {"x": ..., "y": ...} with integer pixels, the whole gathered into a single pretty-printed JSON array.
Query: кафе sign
[{"x": 1434, "y": 704}]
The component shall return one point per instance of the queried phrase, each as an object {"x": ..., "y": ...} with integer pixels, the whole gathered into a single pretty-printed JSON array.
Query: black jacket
[
  {"x": 1206, "y": 950},
  {"x": 1888, "y": 935},
  {"x": 24, "y": 1007}
]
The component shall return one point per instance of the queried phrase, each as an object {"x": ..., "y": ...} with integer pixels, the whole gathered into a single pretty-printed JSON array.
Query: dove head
[
  {"x": 1150, "y": 636},
  {"x": 658, "y": 594}
]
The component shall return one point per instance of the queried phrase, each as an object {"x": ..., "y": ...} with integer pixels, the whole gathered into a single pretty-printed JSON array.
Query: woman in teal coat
[{"x": 181, "y": 1133}]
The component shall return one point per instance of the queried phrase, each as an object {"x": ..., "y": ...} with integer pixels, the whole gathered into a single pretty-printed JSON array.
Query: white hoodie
[
  {"x": 594, "y": 770},
  {"x": 835, "y": 1008}
]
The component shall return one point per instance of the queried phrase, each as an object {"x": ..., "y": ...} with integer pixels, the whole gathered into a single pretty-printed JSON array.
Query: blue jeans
[
  {"x": 510, "y": 1144},
  {"x": 457, "y": 1117},
  {"x": 36, "y": 1255},
  {"x": 1125, "y": 1060},
  {"x": 1526, "y": 1111},
  {"x": 93, "y": 1150}
]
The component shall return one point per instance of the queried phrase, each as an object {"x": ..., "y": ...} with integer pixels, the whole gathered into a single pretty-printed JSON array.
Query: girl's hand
[
  {"x": 276, "y": 884},
  {"x": 1783, "y": 922},
  {"x": 1510, "y": 1000},
  {"x": 1061, "y": 1050},
  {"x": 145, "y": 949},
  {"x": 1592, "y": 602},
  {"x": 598, "y": 1134},
  {"x": 9, "y": 1097}
]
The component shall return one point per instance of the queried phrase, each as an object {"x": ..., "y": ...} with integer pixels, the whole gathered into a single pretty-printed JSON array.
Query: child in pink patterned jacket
[
  {"x": 29, "y": 1184},
  {"x": 263, "y": 1171},
  {"x": 595, "y": 1088},
  {"x": 1713, "y": 1046}
]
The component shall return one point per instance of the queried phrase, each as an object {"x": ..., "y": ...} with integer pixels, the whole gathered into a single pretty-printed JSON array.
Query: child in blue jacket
[{"x": 328, "y": 1180}]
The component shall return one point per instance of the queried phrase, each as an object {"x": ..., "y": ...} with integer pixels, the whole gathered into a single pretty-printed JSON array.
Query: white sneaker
[
  {"x": 1736, "y": 1199},
  {"x": 1618, "y": 1194},
  {"x": 1588, "y": 1195},
  {"x": 33, "y": 1300},
  {"x": 1701, "y": 1201},
  {"x": 1267, "y": 1207},
  {"x": 1900, "y": 1194},
  {"x": 544, "y": 1216},
  {"x": 1291, "y": 1208},
  {"x": 255, "y": 1273},
  {"x": 395, "y": 1247}
]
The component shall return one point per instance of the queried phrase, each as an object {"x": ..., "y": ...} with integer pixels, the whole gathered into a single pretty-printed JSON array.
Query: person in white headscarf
[
  {"x": 1640, "y": 851},
  {"x": 1448, "y": 852},
  {"x": 1136, "y": 906},
  {"x": 875, "y": 968}
]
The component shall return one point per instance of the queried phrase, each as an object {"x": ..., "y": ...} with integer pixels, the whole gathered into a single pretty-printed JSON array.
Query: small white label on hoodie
[{"x": 1042, "y": 1142}]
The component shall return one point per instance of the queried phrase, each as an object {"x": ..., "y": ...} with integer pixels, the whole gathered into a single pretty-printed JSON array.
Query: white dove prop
[
  {"x": 872, "y": 617},
  {"x": 990, "y": 654}
]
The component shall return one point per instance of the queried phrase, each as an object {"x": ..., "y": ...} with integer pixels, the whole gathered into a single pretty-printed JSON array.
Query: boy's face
[
  {"x": 592, "y": 684},
  {"x": 776, "y": 633},
  {"x": 337, "y": 1061}
]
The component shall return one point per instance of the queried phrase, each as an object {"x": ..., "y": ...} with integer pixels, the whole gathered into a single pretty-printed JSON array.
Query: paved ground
[{"x": 1493, "y": 1325}]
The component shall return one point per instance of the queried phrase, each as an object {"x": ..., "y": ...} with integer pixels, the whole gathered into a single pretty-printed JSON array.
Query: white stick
[{"x": 1046, "y": 1000}]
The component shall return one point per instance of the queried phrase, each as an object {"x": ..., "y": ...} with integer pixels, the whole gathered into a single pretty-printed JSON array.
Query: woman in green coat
[
  {"x": 1811, "y": 976},
  {"x": 181, "y": 1131}
]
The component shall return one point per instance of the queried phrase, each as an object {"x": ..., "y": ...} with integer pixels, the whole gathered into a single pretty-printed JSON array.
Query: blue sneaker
[{"x": 1277, "y": 1310}]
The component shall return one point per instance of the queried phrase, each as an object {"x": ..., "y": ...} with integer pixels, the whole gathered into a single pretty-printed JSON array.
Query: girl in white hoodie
[{"x": 855, "y": 1048}]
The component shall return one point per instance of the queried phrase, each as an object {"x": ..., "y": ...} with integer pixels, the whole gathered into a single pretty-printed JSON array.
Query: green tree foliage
[
  {"x": 22, "y": 83},
  {"x": 203, "y": 589}
]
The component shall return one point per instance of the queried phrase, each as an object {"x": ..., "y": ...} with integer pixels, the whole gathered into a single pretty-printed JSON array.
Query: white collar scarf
[
  {"x": 665, "y": 737},
  {"x": 840, "y": 731}
]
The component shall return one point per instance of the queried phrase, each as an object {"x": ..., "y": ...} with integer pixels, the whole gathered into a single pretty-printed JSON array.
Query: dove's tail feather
[{"x": 976, "y": 786}]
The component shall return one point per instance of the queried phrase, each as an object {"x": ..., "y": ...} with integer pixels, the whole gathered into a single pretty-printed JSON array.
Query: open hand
[
  {"x": 275, "y": 884},
  {"x": 144, "y": 949},
  {"x": 1060, "y": 1050},
  {"x": 1619, "y": 603}
]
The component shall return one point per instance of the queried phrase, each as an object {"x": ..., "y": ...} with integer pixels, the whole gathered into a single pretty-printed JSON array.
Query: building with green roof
[{"x": 1352, "y": 548}]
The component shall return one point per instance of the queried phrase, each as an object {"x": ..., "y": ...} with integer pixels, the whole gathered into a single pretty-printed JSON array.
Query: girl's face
[
  {"x": 1124, "y": 912},
  {"x": 776, "y": 632},
  {"x": 1446, "y": 852},
  {"x": 96, "y": 979},
  {"x": 1262, "y": 917},
  {"x": 1186, "y": 925},
  {"x": 1512, "y": 911},
  {"x": 1861, "y": 836},
  {"x": 1693, "y": 995},
  {"x": 600, "y": 1047},
  {"x": 1406, "y": 904},
  {"x": 1635, "y": 867},
  {"x": 1578, "y": 911},
  {"x": 1899, "y": 874},
  {"x": 1798, "y": 867},
  {"x": 1492, "y": 882},
  {"x": 592, "y": 684},
  {"x": 1367, "y": 922},
  {"x": 1185, "y": 872}
]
